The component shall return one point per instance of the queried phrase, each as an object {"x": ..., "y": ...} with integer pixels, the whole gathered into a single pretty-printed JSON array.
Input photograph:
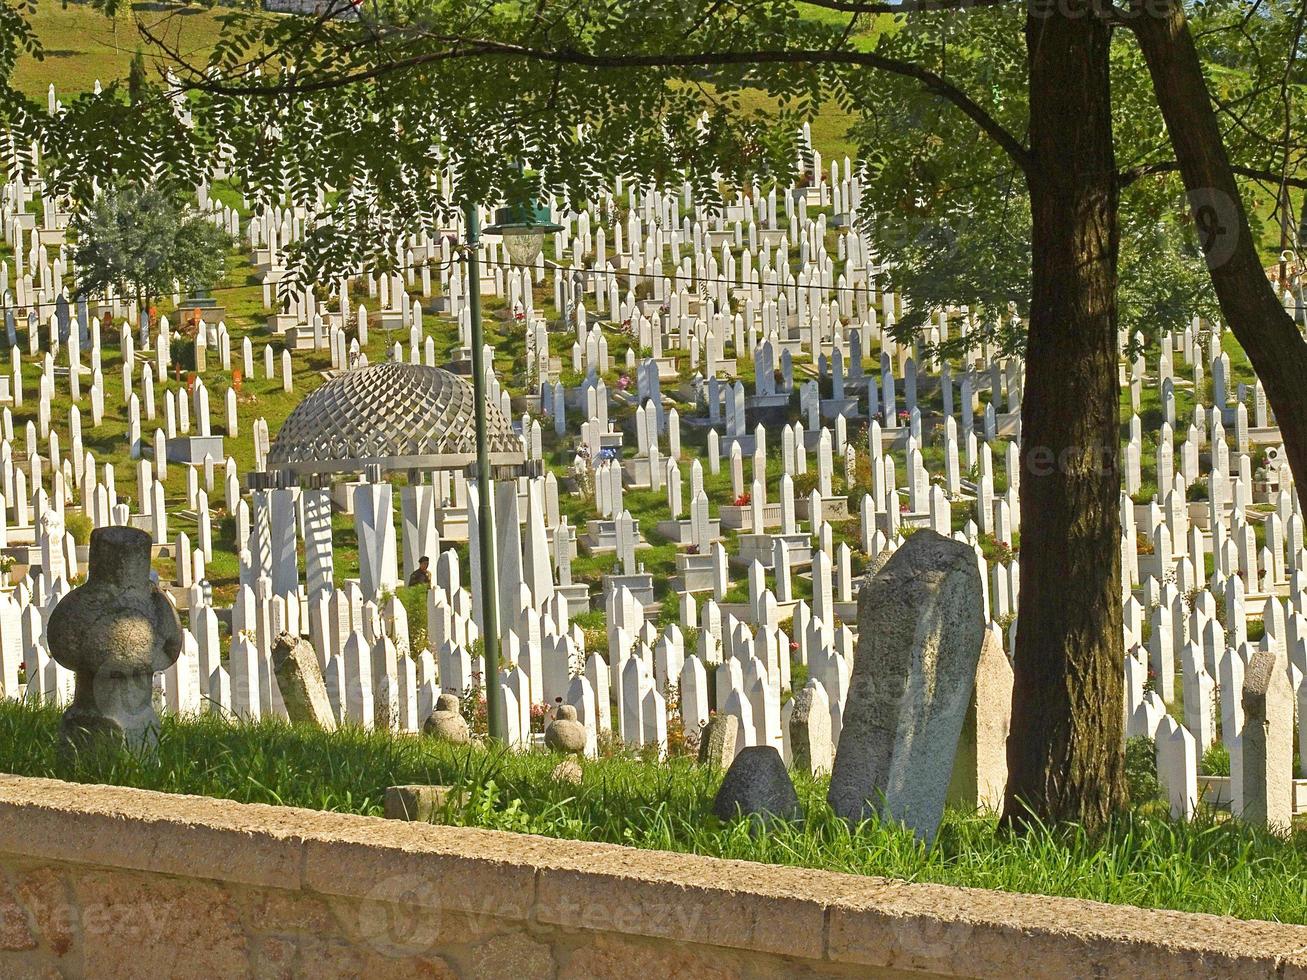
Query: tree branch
[
  {"x": 1127, "y": 177},
  {"x": 904, "y": 7},
  {"x": 464, "y": 48}
]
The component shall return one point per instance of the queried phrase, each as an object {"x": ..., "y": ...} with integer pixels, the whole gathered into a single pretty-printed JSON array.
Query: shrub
[
  {"x": 1141, "y": 770},
  {"x": 79, "y": 526},
  {"x": 1215, "y": 761}
]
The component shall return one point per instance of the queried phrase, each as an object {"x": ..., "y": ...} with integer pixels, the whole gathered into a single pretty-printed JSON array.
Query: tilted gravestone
[
  {"x": 717, "y": 741},
  {"x": 299, "y": 679},
  {"x": 920, "y": 628}
]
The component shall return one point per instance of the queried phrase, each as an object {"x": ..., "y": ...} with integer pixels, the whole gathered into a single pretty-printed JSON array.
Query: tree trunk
[
  {"x": 1065, "y": 754},
  {"x": 1247, "y": 297}
]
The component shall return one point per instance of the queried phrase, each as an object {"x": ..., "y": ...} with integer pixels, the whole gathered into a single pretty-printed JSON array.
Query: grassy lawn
[
  {"x": 83, "y": 45},
  {"x": 1208, "y": 865}
]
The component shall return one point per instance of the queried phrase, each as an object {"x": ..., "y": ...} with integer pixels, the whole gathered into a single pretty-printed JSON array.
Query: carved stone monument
[
  {"x": 446, "y": 723},
  {"x": 565, "y": 733},
  {"x": 114, "y": 632}
]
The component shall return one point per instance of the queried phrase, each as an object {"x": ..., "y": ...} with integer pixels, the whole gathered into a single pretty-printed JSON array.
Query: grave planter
[
  {"x": 1265, "y": 491},
  {"x": 451, "y": 522},
  {"x": 640, "y": 585},
  {"x": 668, "y": 368},
  {"x": 761, "y": 548},
  {"x": 740, "y": 518},
  {"x": 300, "y": 337},
  {"x": 193, "y": 449},
  {"x": 578, "y": 597},
  {"x": 833, "y": 508},
  {"x": 695, "y": 573},
  {"x": 637, "y": 472},
  {"x": 681, "y": 532},
  {"x": 1215, "y": 791},
  {"x": 746, "y": 441},
  {"x": 342, "y": 495},
  {"x": 831, "y": 407},
  {"x": 279, "y": 323},
  {"x": 601, "y": 537}
]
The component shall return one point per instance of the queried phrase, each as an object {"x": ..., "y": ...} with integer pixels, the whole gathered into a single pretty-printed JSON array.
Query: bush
[
  {"x": 1141, "y": 770},
  {"x": 1215, "y": 761},
  {"x": 804, "y": 484},
  {"x": 79, "y": 526}
]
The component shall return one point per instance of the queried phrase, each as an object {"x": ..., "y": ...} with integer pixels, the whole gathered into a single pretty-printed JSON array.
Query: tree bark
[
  {"x": 1247, "y": 297},
  {"x": 1065, "y": 752}
]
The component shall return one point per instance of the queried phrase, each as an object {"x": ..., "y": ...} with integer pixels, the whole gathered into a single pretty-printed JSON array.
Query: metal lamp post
[{"x": 523, "y": 229}]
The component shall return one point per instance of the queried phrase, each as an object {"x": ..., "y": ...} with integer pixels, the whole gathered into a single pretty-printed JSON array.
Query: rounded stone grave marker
[{"x": 114, "y": 631}]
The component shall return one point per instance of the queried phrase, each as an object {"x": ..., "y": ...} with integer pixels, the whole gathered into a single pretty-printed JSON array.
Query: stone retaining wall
[{"x": 98, "y": 881}]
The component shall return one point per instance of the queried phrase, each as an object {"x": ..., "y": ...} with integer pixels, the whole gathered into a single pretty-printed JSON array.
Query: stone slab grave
[{"x": 920, "y": 631}]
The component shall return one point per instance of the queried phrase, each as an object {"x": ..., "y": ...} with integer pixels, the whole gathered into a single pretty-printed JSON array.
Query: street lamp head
[{"x": 523, "y": 228}]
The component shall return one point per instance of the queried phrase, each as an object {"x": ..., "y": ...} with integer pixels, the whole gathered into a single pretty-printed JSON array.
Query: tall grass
[{"x": 1208, "y": 865}]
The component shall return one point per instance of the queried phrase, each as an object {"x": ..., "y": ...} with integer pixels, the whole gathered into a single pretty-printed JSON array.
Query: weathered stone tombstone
[
  {"x": 300, "y": 681},
  {"x": 418, "y": 802},
  {"x": 717, "y": 741},
  {"x": 1266, "y": 745},
  {"x": 447, "y": 723},
  {"x": 565, "y": 733},
  {"x": 810, "y": 729},
  {"x": 757, "y": 786},
  {"x": 920, "y": 630},
  {"x": 114, "y": 631},
  {"x": 980, "y": 764}
]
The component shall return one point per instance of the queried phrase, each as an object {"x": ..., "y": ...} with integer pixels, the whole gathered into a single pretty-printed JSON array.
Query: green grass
[
  {"x": 82, "y": 45},
  {"x": 1209, "y": 865}
]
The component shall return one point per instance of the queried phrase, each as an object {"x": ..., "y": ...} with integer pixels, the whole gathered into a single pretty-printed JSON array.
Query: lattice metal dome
[{"x": 398, "y": 416}]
